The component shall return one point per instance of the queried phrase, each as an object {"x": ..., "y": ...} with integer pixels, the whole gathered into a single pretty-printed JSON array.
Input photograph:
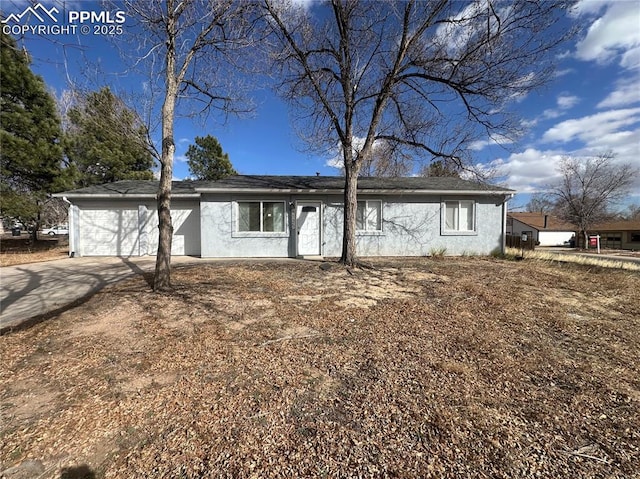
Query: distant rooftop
[{"x": 537, "y": 221}]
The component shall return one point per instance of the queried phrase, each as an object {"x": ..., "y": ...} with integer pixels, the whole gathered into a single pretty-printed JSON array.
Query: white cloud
[
  {"x": 529, "y": 171},
  {"x": 593, "y": 127},
  {"x": 337, "y": 161},
  {"x": 627, "y": 93},
  {"x": 495, "y": 140},
  {"x": 563, "y": 102},
  {"x": 631, "y": 58},
  {"x": 615, "y": 35},
  {"x": 304, "y": 4},
  {"x": 567, "y": 101}
]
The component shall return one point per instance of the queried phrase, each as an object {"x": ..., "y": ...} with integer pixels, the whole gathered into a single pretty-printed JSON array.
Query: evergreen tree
[
  {"x": 207, "y": 161},
  {"x": 31, "y": 160},
  {"x": 441, "y": 168},
  {"x": 105, "y": 141}
]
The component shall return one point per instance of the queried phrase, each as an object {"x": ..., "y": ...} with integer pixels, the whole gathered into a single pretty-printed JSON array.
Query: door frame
[{"x": 318, "y": 204}]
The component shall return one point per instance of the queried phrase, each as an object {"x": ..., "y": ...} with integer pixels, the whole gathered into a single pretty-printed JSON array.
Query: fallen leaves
[{"x": 450, "y": 368}]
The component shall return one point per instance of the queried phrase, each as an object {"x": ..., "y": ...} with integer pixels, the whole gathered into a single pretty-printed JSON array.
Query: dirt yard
[
  {"x": 443, "y": 368},
  {"x": 21, "y": 249}
]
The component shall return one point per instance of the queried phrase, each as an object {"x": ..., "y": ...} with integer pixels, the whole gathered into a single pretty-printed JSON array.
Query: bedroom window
[
  {"x": 369, "y": 215},
  {"x": 459, "y": 216},
  {"x": 261, "y": 216}
]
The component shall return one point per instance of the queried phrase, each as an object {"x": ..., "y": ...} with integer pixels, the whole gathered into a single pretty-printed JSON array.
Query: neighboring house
[
  {"x": 290, "y": 216},
  {"x": 547, "y": 230},
  {"x": 617, "y": 234}
]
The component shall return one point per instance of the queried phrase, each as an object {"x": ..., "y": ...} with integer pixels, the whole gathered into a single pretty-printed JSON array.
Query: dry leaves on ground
[{"x": 416, "y": 368}]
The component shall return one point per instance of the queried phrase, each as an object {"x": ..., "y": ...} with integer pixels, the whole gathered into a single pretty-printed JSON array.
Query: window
[
  {"x": 459, "y": 216},
  {"x": 635, "y": 236},
  {"x": 261, "y": 216},
  {"x": 369, "y": 215}
]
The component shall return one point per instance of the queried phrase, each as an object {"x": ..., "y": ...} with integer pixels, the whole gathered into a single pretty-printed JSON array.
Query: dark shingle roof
[
  {"x": 337, "y": 183},
  {"x": 244, "y": 183},
  {"x": 131, "y": 188}
]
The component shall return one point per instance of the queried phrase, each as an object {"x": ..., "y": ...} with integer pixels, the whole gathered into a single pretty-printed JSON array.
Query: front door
[{"x": 308, "y": 228}]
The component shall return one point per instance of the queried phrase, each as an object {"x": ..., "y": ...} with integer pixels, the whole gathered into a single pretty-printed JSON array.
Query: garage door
[{"x": 109, "y": 232}]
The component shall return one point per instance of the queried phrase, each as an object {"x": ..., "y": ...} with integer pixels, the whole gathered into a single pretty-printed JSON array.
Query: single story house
[
  {"x": 546, "y": 230},
  {"x": 621, "y": 234},
  {"x": 290, "y": 216}
]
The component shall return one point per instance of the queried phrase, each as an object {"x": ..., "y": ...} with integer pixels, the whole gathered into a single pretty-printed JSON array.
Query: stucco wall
[
  {"x": 411, "y": 227},
  {"x": 220, "y": 240}
]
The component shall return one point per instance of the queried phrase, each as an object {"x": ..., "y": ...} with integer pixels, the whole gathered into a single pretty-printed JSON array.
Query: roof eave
[
  {"x": 125, "y": 196},
  {"x": 360, "y": 191}
]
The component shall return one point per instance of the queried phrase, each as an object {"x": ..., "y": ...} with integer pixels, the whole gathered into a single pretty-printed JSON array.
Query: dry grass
[
  {"x": 465, "y": 368},
  {"x": 21, "y": 250},
  {"x": 542, "y": 255}
]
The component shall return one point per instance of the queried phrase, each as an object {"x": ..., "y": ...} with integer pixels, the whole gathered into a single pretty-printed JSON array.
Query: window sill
[
  {"x": 259, "y": 234},
  {"x": 458, "y": 233},
  {"x": 370, "y": 233}
]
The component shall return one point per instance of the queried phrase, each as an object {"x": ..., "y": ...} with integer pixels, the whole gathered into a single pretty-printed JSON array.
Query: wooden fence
[{"x": 515, "y": 241}]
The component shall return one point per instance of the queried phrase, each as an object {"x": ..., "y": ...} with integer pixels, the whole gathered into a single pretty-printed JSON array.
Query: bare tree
[
  {"x": 189, "y": 46},
  {"x": 633, "y": 213},
  {"x": 425, "y": 77},
  {"x": 386, "y": 161},
  {"x": 541, "y": 203},
  {"x": 589, "y": 187}
]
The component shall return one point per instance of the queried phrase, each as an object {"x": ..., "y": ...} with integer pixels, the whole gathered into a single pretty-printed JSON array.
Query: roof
[
  {"x": 288, "y": 184},
  {"x": 621, "y": 225},
  {"x": 536, "y": 220},
  {"x": 131, "y": 189}
]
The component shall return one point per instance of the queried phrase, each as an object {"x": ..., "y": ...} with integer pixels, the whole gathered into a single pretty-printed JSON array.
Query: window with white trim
[
  {"x": 369, "y": 215},
  {"x": 460, "y": 216},
  {"x": 261, "y": 216}
]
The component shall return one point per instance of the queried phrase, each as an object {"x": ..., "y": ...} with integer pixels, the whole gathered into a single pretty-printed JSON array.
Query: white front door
[{"x": 308, "y": 228}]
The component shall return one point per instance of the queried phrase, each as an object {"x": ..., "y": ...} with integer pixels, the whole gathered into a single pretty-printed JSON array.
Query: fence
[{"x": 515, "y": 241}]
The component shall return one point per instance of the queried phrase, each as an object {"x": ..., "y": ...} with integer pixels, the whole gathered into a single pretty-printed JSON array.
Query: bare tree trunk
[
  {"x": 162, "y": 277},
  {"x": 350, "y": 208}
]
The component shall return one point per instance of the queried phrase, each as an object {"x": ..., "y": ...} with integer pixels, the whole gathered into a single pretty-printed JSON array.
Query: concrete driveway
[{"x": 31, "y": 290}]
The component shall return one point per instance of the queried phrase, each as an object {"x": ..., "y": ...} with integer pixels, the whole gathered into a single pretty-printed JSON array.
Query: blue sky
[{"x": 591, "y": 107}]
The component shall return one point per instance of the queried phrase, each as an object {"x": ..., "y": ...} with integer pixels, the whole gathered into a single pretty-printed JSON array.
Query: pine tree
[
  {"x": 31, "y": 160},
  {"x": 105, "y": 141},
  {"x": 207, "y": 161}
]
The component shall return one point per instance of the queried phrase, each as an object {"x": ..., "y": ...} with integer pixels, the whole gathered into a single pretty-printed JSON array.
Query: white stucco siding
[
  {"x": 222, "y": 240},
  {"x": 185, "y": 217},
  {"x": 411, "y": 226},
  {"x": 108, "y": 231}
]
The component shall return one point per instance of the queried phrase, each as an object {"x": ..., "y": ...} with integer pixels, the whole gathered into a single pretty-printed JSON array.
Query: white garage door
[{"x": 109, "y": 232}]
